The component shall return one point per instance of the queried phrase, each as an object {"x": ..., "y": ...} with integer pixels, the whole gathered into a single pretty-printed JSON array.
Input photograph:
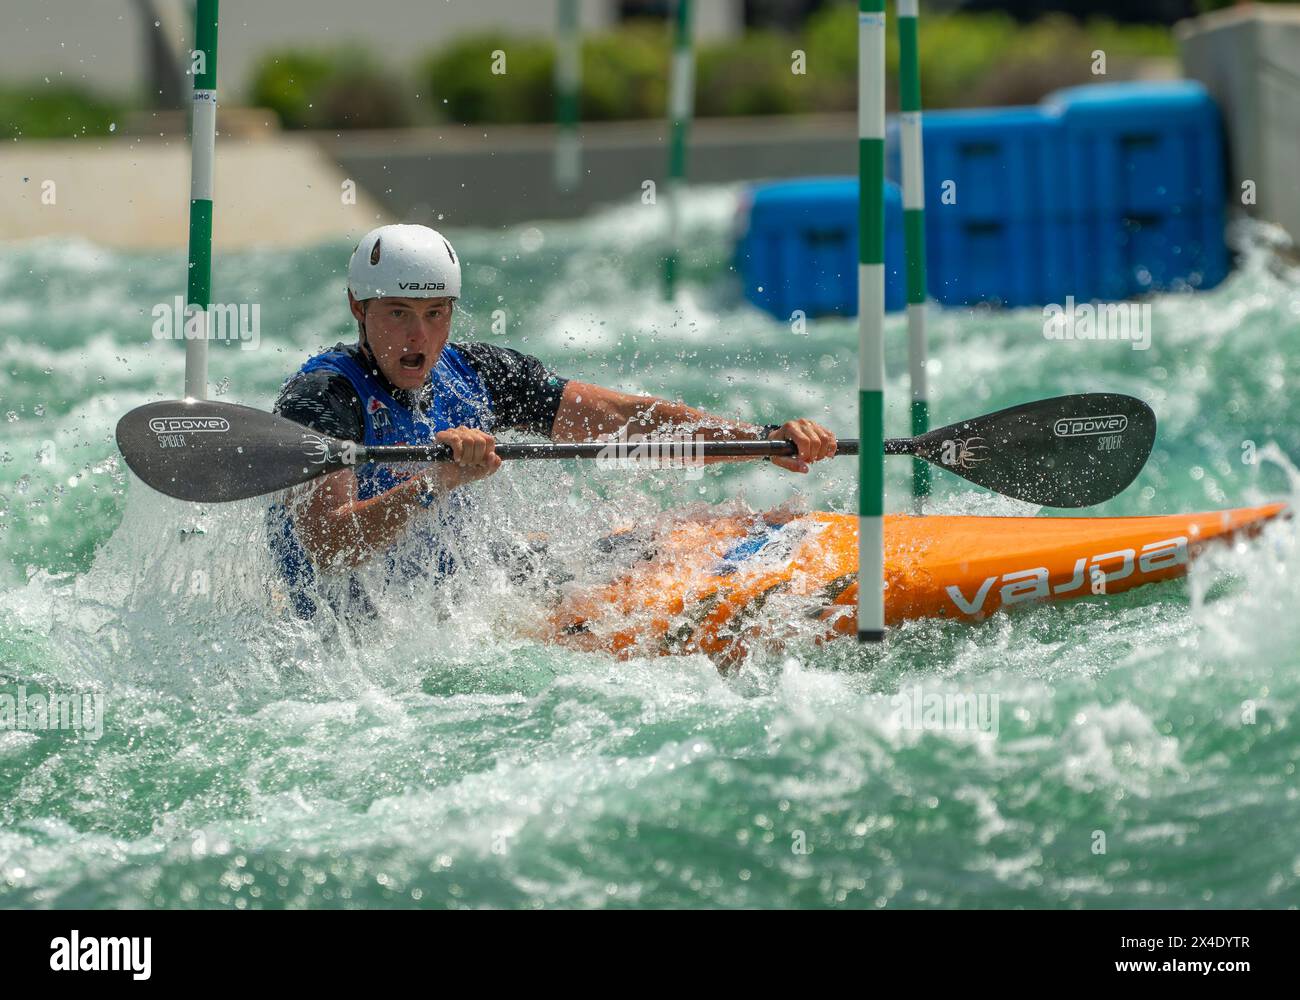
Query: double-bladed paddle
[{"x": 1069, "y": 451}]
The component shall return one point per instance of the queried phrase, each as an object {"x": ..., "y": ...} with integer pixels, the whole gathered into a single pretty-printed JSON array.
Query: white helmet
[{"x": 408, "y": 261}]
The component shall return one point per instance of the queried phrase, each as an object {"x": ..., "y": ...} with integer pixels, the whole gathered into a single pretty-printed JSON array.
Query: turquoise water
[{"x": 1145, "y": 748}]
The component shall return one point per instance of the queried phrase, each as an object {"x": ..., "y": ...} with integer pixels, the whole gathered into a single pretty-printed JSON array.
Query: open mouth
[{"x": 412, "y": 362}]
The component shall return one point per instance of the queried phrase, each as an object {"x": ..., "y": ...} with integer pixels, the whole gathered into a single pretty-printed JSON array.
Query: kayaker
[{"x": 403, "y": 382}]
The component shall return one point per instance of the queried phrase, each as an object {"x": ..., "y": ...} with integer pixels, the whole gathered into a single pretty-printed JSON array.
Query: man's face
[{"x": 405, "y": 335}]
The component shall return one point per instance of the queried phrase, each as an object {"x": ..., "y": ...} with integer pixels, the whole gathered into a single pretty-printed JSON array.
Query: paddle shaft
[{"x": 618, "y": 451}]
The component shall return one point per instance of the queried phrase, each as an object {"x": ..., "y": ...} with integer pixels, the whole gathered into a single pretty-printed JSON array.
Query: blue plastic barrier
[
  {"x": 1143, "y": 167},
  {"x": 1100, "y": 192},
  {"x": 799, "y": 247}
]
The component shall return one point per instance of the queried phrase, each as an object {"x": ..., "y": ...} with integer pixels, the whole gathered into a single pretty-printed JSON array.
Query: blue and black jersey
[
  {"x": 340, "y": 392},
  {"x": 522, "y": 393}
]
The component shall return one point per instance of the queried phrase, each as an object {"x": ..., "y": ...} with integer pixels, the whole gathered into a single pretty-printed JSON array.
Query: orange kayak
[{"x": 698, "y": 584}]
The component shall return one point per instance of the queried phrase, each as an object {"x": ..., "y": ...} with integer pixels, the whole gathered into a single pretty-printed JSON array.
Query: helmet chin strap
[{"x": 362, "y": 341}]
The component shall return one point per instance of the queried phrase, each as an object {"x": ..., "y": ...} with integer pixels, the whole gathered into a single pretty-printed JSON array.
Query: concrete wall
[
  {"x": 1249, "y": 59},
  {"x": 498, "y": 175},
  {"x": 102, "y": 42},
  {"x": 285, "y": 189}
]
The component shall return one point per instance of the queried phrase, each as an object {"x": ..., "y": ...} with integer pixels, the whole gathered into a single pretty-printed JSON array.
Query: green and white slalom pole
[
  {"x": 203, "y": 142},
  {"x": 568, "y": 80},
  {"x": 909, "y": 88},
  {"x": 681, "y": 106},
  {"x": 871, "y": 320}
]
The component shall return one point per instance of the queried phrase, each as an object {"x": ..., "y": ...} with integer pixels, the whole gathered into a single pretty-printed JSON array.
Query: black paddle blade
[
  {"x": 215, "y": 452},
  {"x": 1070, "y": 451}
]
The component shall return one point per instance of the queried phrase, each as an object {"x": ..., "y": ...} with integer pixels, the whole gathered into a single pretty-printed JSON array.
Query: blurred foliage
[
  {"x": 458, "y": 80},
  {"x": 966, "y": 60},
  {"x": 751, "y": 76},
  {"x": 54, "y": 111},
  {"x": 624, "y": 74},
  {"x": 336, "y": 89},
  {"x": 1208, "y": 5},
  {"x": 974, "y": 60}
]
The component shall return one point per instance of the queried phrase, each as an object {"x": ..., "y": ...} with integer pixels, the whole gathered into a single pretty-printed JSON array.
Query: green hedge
[
  {"x": 330, "y": 89},
  {"x": 753, "y": 76},
  {"x": 458, "y": 81},
  {"x": 623, "y": 76},
  {"x": 966, "y": 60},
  {"x": 974, "y": 60},
  {"x": 42, "y": 111}
]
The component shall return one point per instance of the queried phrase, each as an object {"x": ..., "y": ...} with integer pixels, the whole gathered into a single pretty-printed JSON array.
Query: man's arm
[
  {"x": 590, "y": 412},
  {"x": 529, "y": 395},
  {"x": 335, "y": 527},
  {"x": 338, "y": 530}
]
